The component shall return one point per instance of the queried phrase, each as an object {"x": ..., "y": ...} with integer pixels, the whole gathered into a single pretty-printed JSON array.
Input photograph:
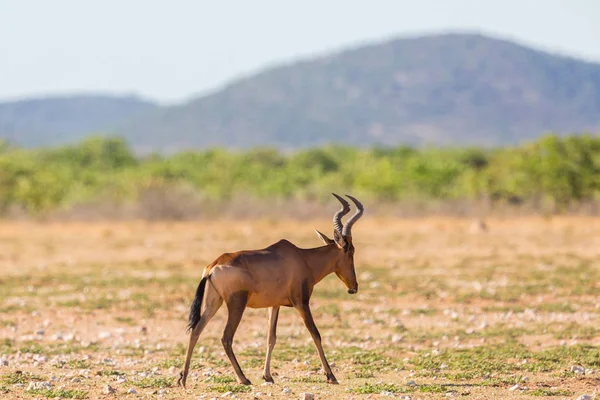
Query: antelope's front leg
[
  {"x": 272, "y": 338},
  {"x": 306, "y": 315}
]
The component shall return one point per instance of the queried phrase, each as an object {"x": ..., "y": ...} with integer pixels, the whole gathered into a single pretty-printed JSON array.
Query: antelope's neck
[{"x": 321, "y": 261}]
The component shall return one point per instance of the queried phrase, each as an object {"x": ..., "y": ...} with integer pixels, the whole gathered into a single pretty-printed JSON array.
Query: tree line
[{"x": 554, "y": 172}]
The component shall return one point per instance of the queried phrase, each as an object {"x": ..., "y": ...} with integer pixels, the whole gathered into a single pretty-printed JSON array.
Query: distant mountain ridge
[
  {"x": 56, "y": 120},
  {"x": 450, "y": 89}
]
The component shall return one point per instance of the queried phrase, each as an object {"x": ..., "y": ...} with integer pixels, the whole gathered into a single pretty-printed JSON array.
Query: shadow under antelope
[{"x": 279, "y": 275}]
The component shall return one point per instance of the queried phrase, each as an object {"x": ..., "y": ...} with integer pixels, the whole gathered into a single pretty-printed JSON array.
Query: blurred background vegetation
[{"x": 101, "y": 177}]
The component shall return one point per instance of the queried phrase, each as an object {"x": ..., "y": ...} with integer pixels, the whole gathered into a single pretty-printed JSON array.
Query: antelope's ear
[
  {"x": 339, "y": 239},
  {"x": 323, "y": 237}
]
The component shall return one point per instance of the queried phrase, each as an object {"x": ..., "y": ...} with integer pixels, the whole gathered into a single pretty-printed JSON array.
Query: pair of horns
[{"x": 346, "y": 229}]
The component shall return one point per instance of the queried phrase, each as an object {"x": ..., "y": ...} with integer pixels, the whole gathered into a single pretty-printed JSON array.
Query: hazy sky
[{"x": 172, "y": 50}]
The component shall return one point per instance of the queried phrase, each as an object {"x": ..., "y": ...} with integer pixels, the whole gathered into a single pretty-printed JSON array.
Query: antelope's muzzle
[{"x": 352, "y": 291}]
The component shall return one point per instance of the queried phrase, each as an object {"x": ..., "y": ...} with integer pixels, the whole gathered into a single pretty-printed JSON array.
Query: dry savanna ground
[{"x": 441, "y": 312}]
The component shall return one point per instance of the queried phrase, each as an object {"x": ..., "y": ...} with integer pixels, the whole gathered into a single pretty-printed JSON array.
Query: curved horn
[
  {"x": 347, "y": 231},
  {"x": 337, "y": 218}
]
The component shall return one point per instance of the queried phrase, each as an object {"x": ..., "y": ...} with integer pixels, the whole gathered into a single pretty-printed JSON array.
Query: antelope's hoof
[
  {"x": 331, "y": 380},
  {"x": 268, "y": 379},
  {"x": 245, "y": 381},
  {"x": 181, "y": 380}
]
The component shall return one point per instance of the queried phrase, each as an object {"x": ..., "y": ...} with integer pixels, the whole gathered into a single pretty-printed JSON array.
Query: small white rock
[
  {"x": 386, "y": 393},
  {"x": 104, "y": 335},
  {"x": 226, "y": 394},
  {"x": 405, "y": 397},
  {"x": 397, "y": 338},
  {"x": 411, "y": 383},
  {"x": 584, "y": 397},
  {"x": 577, "y": 369},
  {"x": 131, "y": 391},
  {"x": 513, "y": 388},
  {"x": 109, "y": 390},
  {"x": 266, "y": 383},
  {"x": 307, "y": 396},
  {"x": 39, "y": 386},
  {"x": 75, "y": 380},
  {"x": 287, "y": 390}
]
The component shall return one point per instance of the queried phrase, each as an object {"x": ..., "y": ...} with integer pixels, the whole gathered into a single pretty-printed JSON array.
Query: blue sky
[{"x": 170, "y": 51}]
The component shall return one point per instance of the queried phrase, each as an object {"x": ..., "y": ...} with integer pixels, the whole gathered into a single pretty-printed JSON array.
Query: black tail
[{"x": 196, "y": 307}]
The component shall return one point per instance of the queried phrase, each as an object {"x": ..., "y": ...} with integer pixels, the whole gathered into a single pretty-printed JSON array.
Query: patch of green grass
[
  {"x": 72, "y": 303},
  {"x": 155, "y": 383},
  {"x": 13, "y": 378},
  {"x": 370, "y": 360},
  {"x": 220, "y": 379},
  {"x": 178, "y": 350},
  {"x": 56, "y": 348},
  {"x": 507, "y": 358},
  {"x": 4, "y": 390},
  {"x": 503, "y": 309},
  {"x": 501, "y": 381},
  {"x": 433, "y": 388},
  {"x": 364, "y": 374},
  {"x": 575, "y": 330},
  {"x": 563, "y": 356},
  {"x": 170, "y": 362},
  {"x": 370, "y": 388},
  {"x": 555, "y": 307},
  {"x": 565, "y": 374},
  {"x": 134, "y": 351},
  {"x": 7, "y": 323},
  {"x": 501, "y": 331},
  {"x": 14, "y": 308},
  {"x": 287, "y": 353},
  {"x": 79, "y": 364},
  {"x": 251, "y": 352},
  {"x": 125, "y": 320},
  {"x": 110, "y": 372},
  {"x": 501, "y": 358},
  {"x": 308, "y": 379},
  {"x": 6, "y": 346},
  {"x": 458, "y": 376},
  {"x": 424, "y": 311},
  {"x": 550, "y": 392},
  {"x": 62, "y": 393},
  {"x": 330, "y": 309},
  {"x": 253, "y": 362},
  {"x": 34, "y": 348},
  {"x": 234, "y": 388}
]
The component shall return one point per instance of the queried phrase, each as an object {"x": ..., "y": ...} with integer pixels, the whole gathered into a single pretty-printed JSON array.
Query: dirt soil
[{"x": 446, "y": 308}]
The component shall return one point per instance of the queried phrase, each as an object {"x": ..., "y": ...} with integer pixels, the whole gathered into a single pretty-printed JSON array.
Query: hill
[
  {"x": 58, "y": 120},
  {"x": 459, "y": 89},
  {"x": 446, "y": 89}
]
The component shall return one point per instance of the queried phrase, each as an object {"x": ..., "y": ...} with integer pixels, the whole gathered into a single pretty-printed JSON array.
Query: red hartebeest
[{"x": 279, "y": 275}]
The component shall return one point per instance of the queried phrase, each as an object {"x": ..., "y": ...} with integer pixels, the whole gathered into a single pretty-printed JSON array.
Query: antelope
[{"x": 279, "y": 275}]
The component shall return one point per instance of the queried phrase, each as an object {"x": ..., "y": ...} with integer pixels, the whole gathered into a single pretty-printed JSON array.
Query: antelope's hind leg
[
  {"x": 272, "y": 338},
  {"x": 236, "y": 304},
  {"x": 212, "y": 304}
]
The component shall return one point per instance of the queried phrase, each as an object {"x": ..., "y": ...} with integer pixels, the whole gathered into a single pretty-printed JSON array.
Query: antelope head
[{"x": 342, "y": 238}]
